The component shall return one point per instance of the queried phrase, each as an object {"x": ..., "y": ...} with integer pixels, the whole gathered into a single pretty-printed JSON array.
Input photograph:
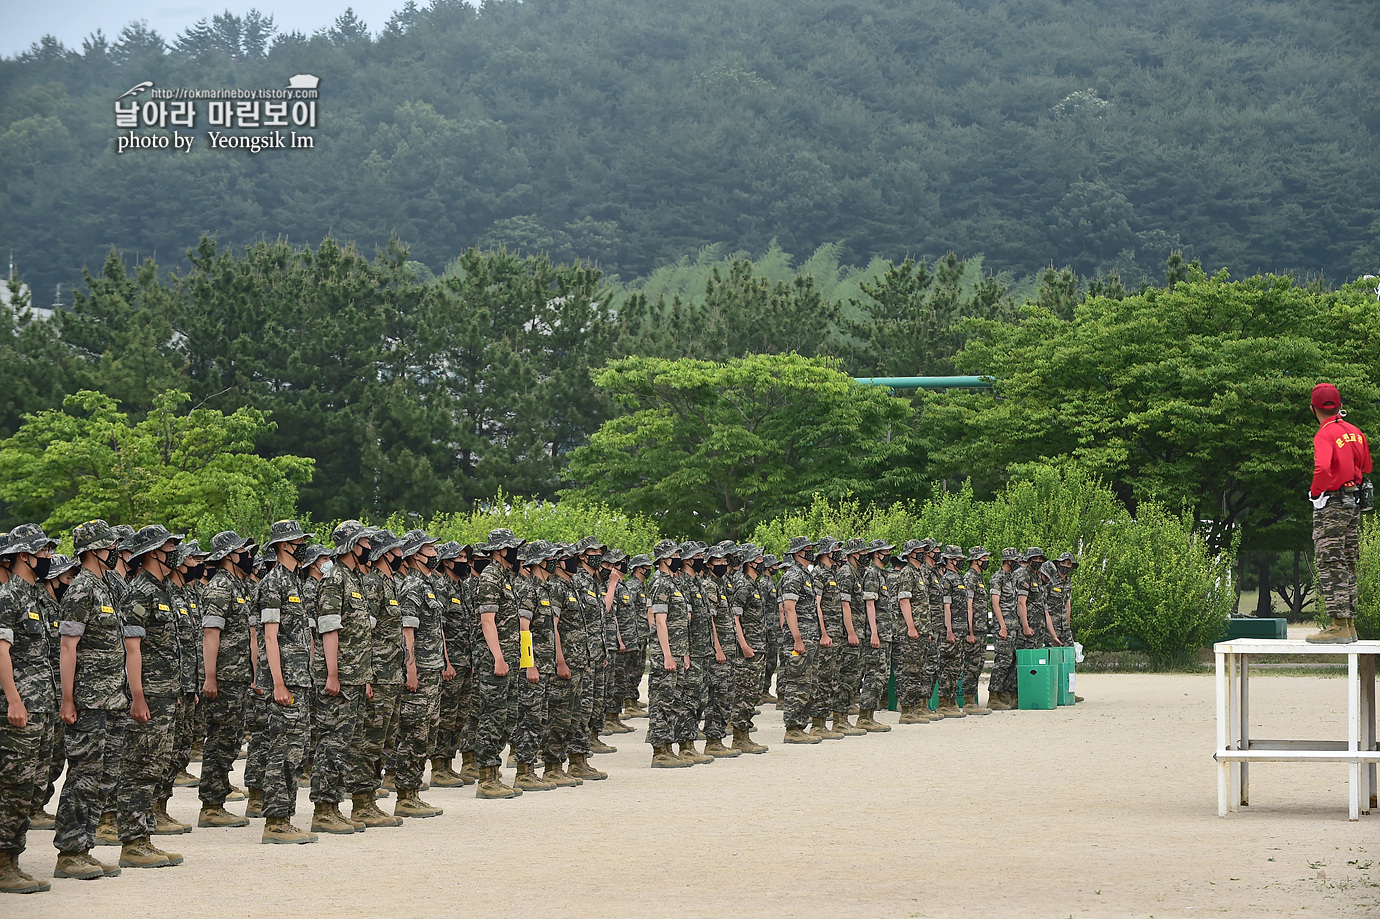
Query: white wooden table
[{"x": 1236, "y": 749}]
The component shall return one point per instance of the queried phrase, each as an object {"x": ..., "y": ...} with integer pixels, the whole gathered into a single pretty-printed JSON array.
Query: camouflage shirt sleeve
[
  {"x": 411, "y": 596},
  {"x": 330, "y": 601}
]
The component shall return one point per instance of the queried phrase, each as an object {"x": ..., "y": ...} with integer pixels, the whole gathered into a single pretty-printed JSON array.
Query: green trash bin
[
  {"x": 1026, "y": 656},
  {"x": 1036, "y": 685}
]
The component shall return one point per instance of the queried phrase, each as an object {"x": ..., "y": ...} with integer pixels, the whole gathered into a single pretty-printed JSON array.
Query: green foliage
[
  {"x": 1099, "y": 134},
  {"x": 1367, "y": 582},
  {"x": 714, "y": 448},
  {"x": 32, "y": 372},
  {"x": 191, "y": 470}
]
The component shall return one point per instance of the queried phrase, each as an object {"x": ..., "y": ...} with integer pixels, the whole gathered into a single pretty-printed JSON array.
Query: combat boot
[
  {"x": 634, "y": 709},
  {"x": 948, "y": 708},
  {"x": 870, "y": 724},
  {"x": 689, "y": 753},
  {"x": 469, "y": 772},
  {"x": 663, "y": 758},
  {"x": 443, "y": 776},
  {"x": 800, "y": 735},
  {"x": 12, "y": 880},
  {"x": 842, "y": 726},
  {"x": 172, "y": 857},
  {"x": 236, "y": 794},
  {"x": 110, "y": 871},
  {"x": 598, "y": 746},
  {"x": 326, "y": 819},
  {"x": 364, "y": 811},
  {"x": 165, "y": 825},
  {"x": 42, "y": 820},
  {"x": 410, "y": 804},
  {"x": 974, "y": 707},
  {"x": 1340, "y": 632},
  {"x": 77, "y": 866},
  {"x": 491, "y": 785},
  {"x": 910, "y": 714},
  {"x": 255, "y": 806},
  {"x": 388, "y": 783},
  {"x": 581, "y": 769},
  {"x": 715, "y": 747},
  {"x": 185, "y": 779},
  {"x": 214, "y": 816},
  {"x": 996, "y": 701},
  {"x": 528, "y": 780},
  {"x": 557, "y": 776},
  {"x": 612, "y": 725},
  {"x": 742, "y": 740},
  {"x": 279, "y": 831},
  {"x": 767, "y": 699},
  {"x": 821, "y": 730},
  {"x": 106, "y": 834},
  {"x": 138, "y": 853}
]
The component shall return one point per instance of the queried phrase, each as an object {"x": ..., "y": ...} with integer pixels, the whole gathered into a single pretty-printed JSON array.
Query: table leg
[
  {"x": 1368, "y": 725},
  {"x": 1353, "y": 732},
  {"x": 1244, "y": 715},
  {"x": 1234, "y": 725},
  {"x": 1222, "y": 765}
]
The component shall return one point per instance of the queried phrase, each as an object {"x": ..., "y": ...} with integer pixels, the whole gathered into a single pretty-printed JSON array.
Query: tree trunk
[{"x": 1262, "y": 604}]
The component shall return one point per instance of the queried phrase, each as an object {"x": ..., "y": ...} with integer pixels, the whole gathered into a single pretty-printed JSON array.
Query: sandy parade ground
[{"x": 1106, "y": 809}]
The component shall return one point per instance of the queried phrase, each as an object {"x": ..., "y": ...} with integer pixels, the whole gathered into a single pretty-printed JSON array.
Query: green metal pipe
[{"x": 927, "y": 382}]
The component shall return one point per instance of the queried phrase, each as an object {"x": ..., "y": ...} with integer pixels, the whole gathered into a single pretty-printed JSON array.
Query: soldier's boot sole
[
  {"x": 219, "y": 817},
  {"x": 294, "y": 838}
]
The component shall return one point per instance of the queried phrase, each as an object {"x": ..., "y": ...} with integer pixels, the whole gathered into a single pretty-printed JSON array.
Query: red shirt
[{"x": 1341, "y": 456}]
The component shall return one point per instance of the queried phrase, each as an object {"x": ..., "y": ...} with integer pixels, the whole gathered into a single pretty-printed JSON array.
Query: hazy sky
[{"x": 23, "y": 22}]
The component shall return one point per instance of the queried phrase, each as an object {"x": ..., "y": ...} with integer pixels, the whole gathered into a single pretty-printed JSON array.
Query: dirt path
[{"x": 1108, "y": 809}]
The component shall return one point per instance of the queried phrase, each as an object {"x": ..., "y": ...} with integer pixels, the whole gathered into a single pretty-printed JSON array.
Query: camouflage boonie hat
[
  {"x": 855, "y": 546},
  {"x": 123, "y": 534},
  {"x": 952, "y": 552},
  {"x": 826, "y": 546},
  {"x": 225, "y": 542},
  {"x": 562, "y": 550},
  {"x": 719, "y": 550},
  {"x": 639, "y": 561},
  {"x": 748, "y": 551},
  {"x": 691, "y": 548},
  {"x": 381, "y": 543},
  {"x": 1067, "y": 557},
  {"x": 978, "y": 552},
  {"x": 665, "y": 549},
  {"x": 59, "y": 565},
  {"x": 185, "y": 551},
  {"x": 929, "y": 544},
  {"x": 1034, "y": 552},
  {"x": 1011, "y": 555},
  {"x": 94, "y": 534},
  {"x": 449, "y": 550},
  {"x": 614, "y": 556},
  {"x": 879, "y": 545},
  {"x": 27, "y": 537},
  {"x": 286, "y": 531},
  {"x": 800, "y": 544},
  {"x": 1049, "y": 570},
  {"x": 266, "y": 556},
  {"x": 771, "y": 561},
  {"x": 587, "y": 543},
  {"x": 911, "y": 545},
  {"x": 501, "y": 539},
  {"x": 314, "y": 551},
  {"x": 150, "y": 538},
  {"x": 346, "y": 534},
  {"x": 414, "y": 540}
]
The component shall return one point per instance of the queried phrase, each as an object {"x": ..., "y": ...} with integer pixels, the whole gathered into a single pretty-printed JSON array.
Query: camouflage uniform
[
  {"x": 1029, "y": 585},
  {"x": 630, "y": 613},
  {"x": 1336, "y": 552},
  {"x": 975, "y": 653},
  {"x": 955, "y": 597},
  {"x": 148, "y": 746},
  {"x": 829, "y": 659},
  {"x": 497, "y": 695},
  {"x": 876, "y": 662},
  {"x": 21, "y": 749},
  {"x": 799, "y": 673},
  {"x": 457, "y": 694},
  {"x": 718, "y": 676},
  {"x": 1003, "y": 588},
  {"x": 386, "y": 661},
  {"x": 911, "y": 652},
  {"x": 280, "y": 602},
  {"x": 933, "y": 579},
  {"x": 101, "y": 696},
  {"x": 51, "y": 756},
  {"x": 225, "y": 610},
  {"x": 749, "y": 607},
  {"x": 595, "y": 688},
  {"x": 184, "y": 597},
  {"x": 563, "y": 726},
  {"x": 422, "y": 612},
  {"x": 534, "y": 609},
  {"x": 849, "y": 656},
  {"x": 341, "y": 609},
  {"x": 669, "y": 712},
  {"x": 771, "y": 611},
  {"x": 1056, "y": 603}
]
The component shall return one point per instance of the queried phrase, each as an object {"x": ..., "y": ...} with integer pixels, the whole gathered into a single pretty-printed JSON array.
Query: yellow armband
[{"x": 525, "y": 656}]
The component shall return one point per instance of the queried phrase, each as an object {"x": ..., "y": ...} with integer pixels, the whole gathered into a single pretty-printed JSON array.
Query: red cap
[{"x": 1325, "y": 396}]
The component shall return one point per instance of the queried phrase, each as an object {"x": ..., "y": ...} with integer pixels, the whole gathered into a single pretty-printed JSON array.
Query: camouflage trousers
[
  {"x": 876, "y": 671},
  {"x": 950, "y": 664},
  {"x": 1063, "y": 628},
  {"x": 1336, "y": 551},
  {"x": 21, "y": 751},
  {"x": 453, "y": 710},
  {"x": 970, "y": 670},
  {"x": 719, "y": 680},
  {"x": 1026, "y": 642},
  {"x": 532, "y": 715},
  {"x": 562, "y": 713},
  {"x": 632, "y": 663},
  {"x": 255, "y": 728},
  {"x": 184, "y": 718},
  {"x": 1003, "y": 678},
  {"x": 798, "y": 678},
  {"x": 289, "y": 732},
  {"x": 55, "y": 757},
  {"x": 94, "y": 743},
  {"x": 380, "y": 732},
  {"x": 910, "y": 655},
  {"x": 143, "y": 766},
  {"x": 417, "y": 729},
  {"x": 668, "y": 710},
  {"x": 497, "y": 713},
  {"x": 747, "y": 683},
  {"x": 592, "y": 700},
  {"x": 224, "y": 733},
  {"x": 695, "y": 683},
  {"x": 930, "y": 666},
  {"x": 827, "y": 662},
  {"x": 771, "y": 656},
  {"x": 339, "y": 724},
  {"x": 850, "y": 676}
]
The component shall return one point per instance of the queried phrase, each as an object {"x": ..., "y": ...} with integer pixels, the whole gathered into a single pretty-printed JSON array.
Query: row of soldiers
[{"x": 368, "y": 659}]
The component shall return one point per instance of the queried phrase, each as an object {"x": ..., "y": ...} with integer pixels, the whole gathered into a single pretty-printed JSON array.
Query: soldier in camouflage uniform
[
  {"x": 30, "y": 703},
  {"x": 1030, "y": 599},
  {"x": 932, "y": 574},
  {"x": 537, "y": 630},
  {"x": 747, "y": 648},
  {"x": 155, "y": 682},
  {"x": 1001, "y": 685},
  {"x": 184, "y": 600},
  {"x": 877, "y": 601},
  {"x": 668, "y": 710},
  {"x": 911, "y": 634},
  {"x": 620, "y": 624},
  {"x": 715, "y": 587},
  {"x": 60, "y": 574},
  {"x": 285, "y": 672},
  {"x": 832, "y": 639},
  {"x": 634, "y": 632},
  {"x": 954, "y": 597},
  {"x": 457, "y": 680},
  {"x": 589, "y": 552},
  {"x": 694, "y": 681},
  {"x": 801, "y": 636},
  {"x": 226, "y": 653},
  {"x": 775, "y": 622},
  {"x": 974, "y": 619},
  {"x": 256, "y": 710},
  {"x": 424, "y": 661},
  {"x": 95, "y": 700},
  {"x": 570, "y": 647},
  {"x": 849, "y": 646},
  {"x": 381, "y": 706},
  {"x": 1060, "y": 598},
  {"x": 496, "y": 603}
]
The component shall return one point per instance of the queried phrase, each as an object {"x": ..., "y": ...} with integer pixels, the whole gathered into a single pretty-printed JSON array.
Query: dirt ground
[{"x": 1106, "y": 809}]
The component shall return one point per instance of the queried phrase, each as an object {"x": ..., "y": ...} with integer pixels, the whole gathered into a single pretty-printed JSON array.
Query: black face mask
[
  {"x": 462, "y": 569},
  {"x": 480, "y": 564},
  {"x": 245, "y": 562},
  {"x": 622, "y": 567},
  {"x": 300, "y": 553},
  {"x": 59, "y": 589},
  {"x": 571, "y": 564},
  {"x": 676, "y": 564},
  {"x": 719, "y": 570},
  {"x": 42, "y": 566},
  {"x": 433, "y": 562},
  {"x": 697, "y": 565},
  {"x": 194, "y": 572}
]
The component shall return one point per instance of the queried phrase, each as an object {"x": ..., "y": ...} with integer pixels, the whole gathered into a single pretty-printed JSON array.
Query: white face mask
[{"x": 326, "y": 567}]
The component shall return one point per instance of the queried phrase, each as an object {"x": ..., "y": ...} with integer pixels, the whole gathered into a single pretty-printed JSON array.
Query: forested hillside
[{"x": 1099, "y": 134}]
